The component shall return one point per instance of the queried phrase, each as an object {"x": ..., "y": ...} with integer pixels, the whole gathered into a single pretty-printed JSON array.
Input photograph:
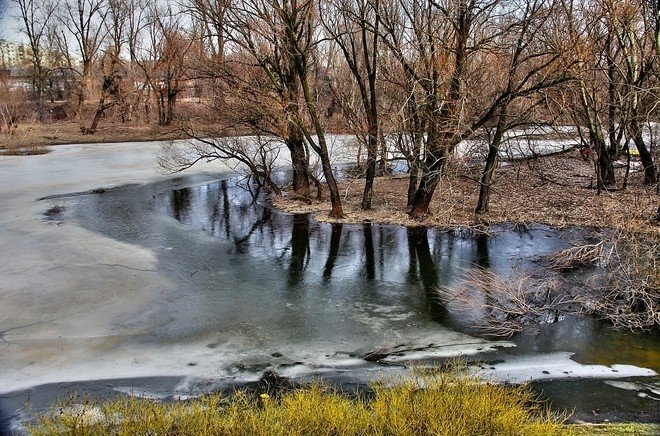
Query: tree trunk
[
  {"x": 439, "y": 148},
  {"x": 417, "y": 129},
  {"x": 434, "y": 165},
  {"x": 487, "y": 179},
  {"x": 161, "y": 107},
  {"x": 106, "y": 89},
  {"x": 97, "y": 117},
  {"x": 382, "y": 162},
  {"x": 412, "y": 182},
  {"x": 491, "y": 164},
  {"x": 605, "y": 163},
  {"x": 335, "y": 199},
  {"x": 612, "y": 105},
  {"x": 644, "y": 153},
  {"x": 296, "y": 137},
  {"x": 296, "y": 146},
  {"x": 171, "y": 103},
  {"x": 372, "y": 151},
  {"x": 444, "y": 114}
]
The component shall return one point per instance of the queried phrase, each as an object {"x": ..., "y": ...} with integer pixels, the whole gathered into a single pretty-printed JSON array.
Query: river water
[
  {"x": 253, "y": 290},
  {"x": 270, "y": 290}
]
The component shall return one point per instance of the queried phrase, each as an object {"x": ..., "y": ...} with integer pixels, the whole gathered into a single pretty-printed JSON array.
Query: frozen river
[{"x": 168, "y": 286}]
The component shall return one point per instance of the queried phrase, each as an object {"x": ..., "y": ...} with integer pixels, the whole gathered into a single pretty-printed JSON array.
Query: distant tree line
[{"x": 415, "y": 77}]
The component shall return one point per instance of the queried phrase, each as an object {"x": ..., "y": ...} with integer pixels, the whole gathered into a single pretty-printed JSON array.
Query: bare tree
[
  {"x": 594, "y": 106},
  {"x": 298, "y": 19},
  {"x": 615, "y": 53},
  {"x": 111, "y": 62},
  {"x": 212, "y": 16},
  {"x": 443, "y": 47},
  {"x": 83, "y": 22},
  {"x": 160, "y": 45},
  {"x": 255, "y": 29},
  {"x": 137, "y": 84},
  {"x": 36, "y": 18},
  {"x": 279, "y": 37},
  {"x": 354, "y": 27},
  {"x": 406, "y": 99},
  {"x": 635, "y": 26},
  {"x": 533, "y": 60},
  {"x": 209, "y": 17}
]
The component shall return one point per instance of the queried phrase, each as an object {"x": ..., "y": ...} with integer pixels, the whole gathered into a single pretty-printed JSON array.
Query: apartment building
[{"x": 13, "y": 54}]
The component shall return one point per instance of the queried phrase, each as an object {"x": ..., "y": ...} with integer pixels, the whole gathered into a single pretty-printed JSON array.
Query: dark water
[
  {"x": 401, "y": 267},
  {"x": 243, "y": 265},
  {"x": 270, "y": 290}
]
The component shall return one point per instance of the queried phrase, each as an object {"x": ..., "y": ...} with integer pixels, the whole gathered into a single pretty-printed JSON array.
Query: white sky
[{"x": 9, "y": 24}]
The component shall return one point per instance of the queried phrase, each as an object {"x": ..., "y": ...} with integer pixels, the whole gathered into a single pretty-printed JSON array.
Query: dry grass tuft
[
  {"x": 579, "y": 256},
  {"x": 438, "y": 403},
  {"x": 504, "y": 306}
]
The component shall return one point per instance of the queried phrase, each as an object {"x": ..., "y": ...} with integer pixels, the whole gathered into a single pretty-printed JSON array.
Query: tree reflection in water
[{"x": 382, "y": 264}]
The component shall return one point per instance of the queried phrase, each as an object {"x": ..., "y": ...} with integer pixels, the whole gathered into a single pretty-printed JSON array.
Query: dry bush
[
  {"x": 579, "y": 256},
  {"x": 625, "y": 292},
  {"x": 14, "y": 108},
  {"x": 630, "y": 296},
  {"x": 506, "y": 305},
  {"x": 254, "y": 156},
  {"x": 22, "y": 144}
]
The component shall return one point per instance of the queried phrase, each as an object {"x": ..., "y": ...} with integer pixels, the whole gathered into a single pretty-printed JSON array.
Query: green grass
[{"x": 439, "y": 403}]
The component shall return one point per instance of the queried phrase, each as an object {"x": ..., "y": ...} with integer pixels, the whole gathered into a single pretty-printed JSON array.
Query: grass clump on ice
[
  {"x": 617, "y": 429},
  {"x": 434, "y": 402}
]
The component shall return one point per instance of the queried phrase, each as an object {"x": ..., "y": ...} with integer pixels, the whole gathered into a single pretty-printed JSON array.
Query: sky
[{"x": 9, "y": 21}]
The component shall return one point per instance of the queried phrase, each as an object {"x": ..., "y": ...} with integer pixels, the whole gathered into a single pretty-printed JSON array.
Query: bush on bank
[{"x": 438, "y": 403}]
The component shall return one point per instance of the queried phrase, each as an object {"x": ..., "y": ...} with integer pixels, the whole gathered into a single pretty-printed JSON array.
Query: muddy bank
[{"x": 556, "y": 190}]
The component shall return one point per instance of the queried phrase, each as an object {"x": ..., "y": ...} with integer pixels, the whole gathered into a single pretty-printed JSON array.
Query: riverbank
[
  {"x": 557, "y": 190},
  {"x": 435, "y": 402},
  {"x": 34, "y": 138}
]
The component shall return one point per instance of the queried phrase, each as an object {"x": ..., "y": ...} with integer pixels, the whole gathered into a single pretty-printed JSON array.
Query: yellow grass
[{"x": 438, "y": 403}]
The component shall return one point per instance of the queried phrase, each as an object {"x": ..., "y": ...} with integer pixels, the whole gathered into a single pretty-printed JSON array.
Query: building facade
[{"x": 13, "y": 54}]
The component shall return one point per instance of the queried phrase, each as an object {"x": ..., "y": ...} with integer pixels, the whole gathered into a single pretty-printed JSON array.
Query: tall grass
[{"x": 438, "y": 403}]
